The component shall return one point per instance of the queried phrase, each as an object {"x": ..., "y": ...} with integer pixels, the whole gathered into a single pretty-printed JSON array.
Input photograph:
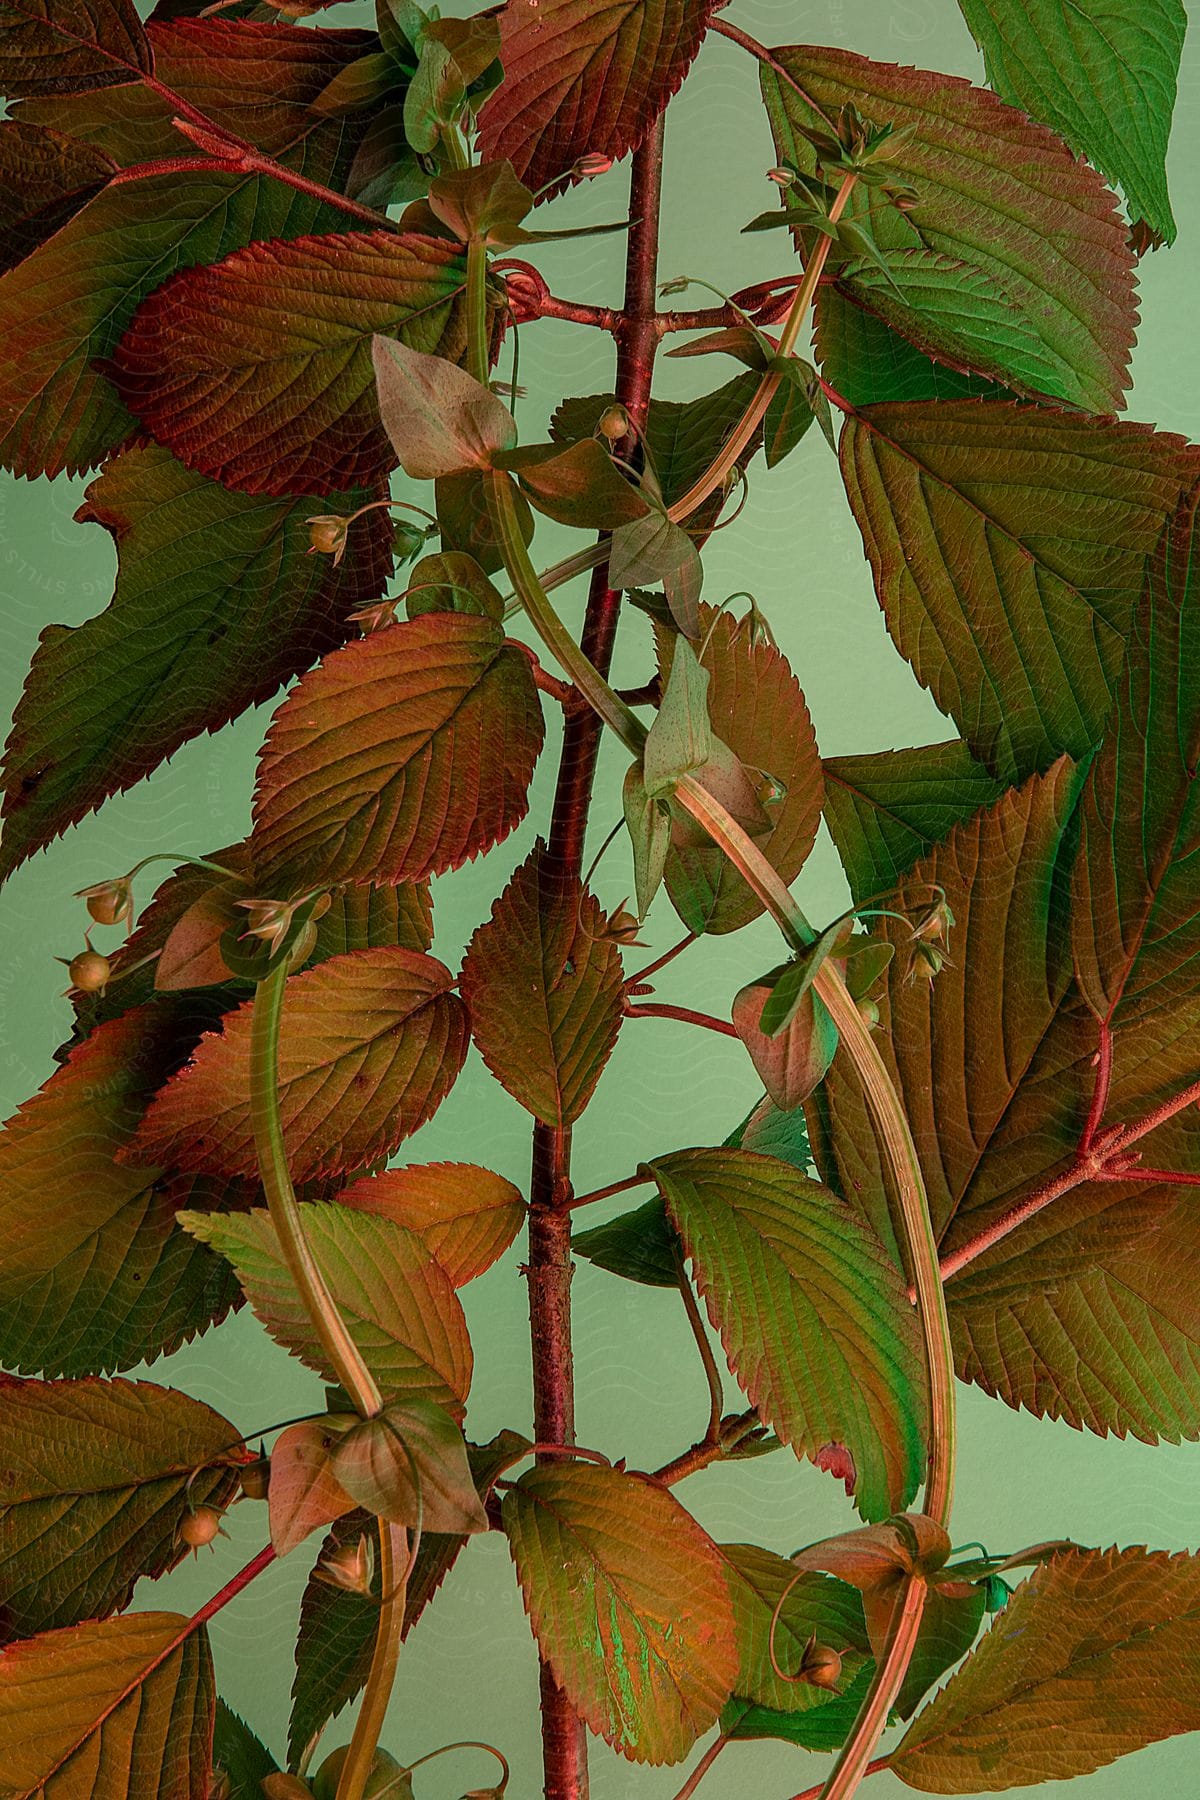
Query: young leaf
[
  {"x": 629, "y": 1603},
  {"x": 268, "y": 384},
  {"x": 217, "y": 603},
  {"x": 816, "y": 1607},
  {"x": 1103, "y": 76},
  {"x": 578, "y": 486},
  {"x": 580, "y": 81},
  {"x": 1070, "y": 1676},
  {"x": 466, "y": 1215},
  {"x": 401, "y": 756},
  {"x": 543, "y": 985},
  {"x": 305, "y": 1492},
  {"x": 1135, "y": 915},
  {"x": 993, "y": 189},
  {"x": 96, "y": 1276},
  {"x": 372, "y": 1043},
  {"x": 1014, "y": 604},
  {"x": 756, "y": 708},
  {"x": 45, "y": 177},
  {"x": 69, "y": 46},
  {"x": 641, "y": 1246},
  {"x": 794, "y": 1061},
  {"x": 813, "y": 1314},
  {"x": 824, "y": 1727},
  {"x": 451, "y": 582},
  {"x": 440, "y": 420},
  {"x": 396, "y": 1300},
  {"x": 679, "y": 741},
  {"x": 97, "y": 1479},
  {"x": 888, "y": 807},
  {"x": 376, "y": 1461},
  {"x": 119, "y": 1707},
  {"x": 648, "y": 821},
  {"x": 653, "y": 549}
]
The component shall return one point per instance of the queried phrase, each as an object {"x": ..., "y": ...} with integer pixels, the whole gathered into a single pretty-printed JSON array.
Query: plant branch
[
  {"x": 606, "y": 1193},
  {"x": 875, "y": 1768},
  {"x": 699, "y": 1455},
  {"x": 702, "y": 1767},
  {"x": 712, "y": 1375},
  {"x": 641, "y": 976},
  {"x": 651, "y": 1009},
  {"x": 854, "y": 1758}
]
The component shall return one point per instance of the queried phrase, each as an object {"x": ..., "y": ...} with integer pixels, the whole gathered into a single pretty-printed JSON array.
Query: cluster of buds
[
  {"x": 271, "y": 921},
  {"x": 927, "y": 955}
]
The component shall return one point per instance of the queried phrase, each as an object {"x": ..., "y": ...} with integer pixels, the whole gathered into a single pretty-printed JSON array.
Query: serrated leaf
[
  {"x": 45, "y": 177},
  {"x": 96, "y": 1481},
  {"x": 756, "y": 708},
  {"x": 993, "y": 189},
  {"x": 819, "y": 1728},
  {"x": 782, "y": 1263},
  {"x": 401, "y": 756},
  {"x": 69, "y": 302},
  {"x": 68, "y": 46},
  {"x": 544, "y": 987},
  {"x": 1007, "y": 545},
  {"x": 380, "y": 1461},
  {"x": 371, "y": 1044},
  {"x": 239, "y": 1754},
  {"x": 440, "y": 420},
  {"x": 815, "y": 1607},
  {"x": 1135, "y": 913},
  {"x": 579, "y": 79},
  {"x": 578, "y": 486},
  {"x": 304, "y": 1491},
  {"x": 888, "y": 807},
  {"x": 94, "y": 1274},
  {"x": 217, "y": 603},
  {"x": 337, "y": 1629},
  {"x": 250, "y": 392},
  {"x": 397, "y": 1302},
  {"x": 641, "y": 1246},
  {"x": 1102, "y": 74},
  {"x": 1068, "y": 1678},
  {"x": 865, "y": 361},
  {"x": 468, "y": 1216},
  {"x": 629, "y": 1604},
  {"x": 91, "y": 1710}
]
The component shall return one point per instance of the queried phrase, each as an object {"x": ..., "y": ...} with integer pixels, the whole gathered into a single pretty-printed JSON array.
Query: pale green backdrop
[{"x": 469, "y": 1667}]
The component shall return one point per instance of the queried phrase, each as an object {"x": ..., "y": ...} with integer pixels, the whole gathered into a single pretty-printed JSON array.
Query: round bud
[
  {"x": 110, "y": 902},
  {"x": 868, "y": 1010},
  {"x": 200, "y": 1527},
  {"x": 822, "y": 1666},
  {"x": 327, "y": 535},
  {"x": 89, "y": 971},
  {"x": 220, "y": 1786},
  {"x": 384, "y": 1770},
  {"x": 255, "y": 1478},
  {"x": 407, "y": 539},
  {"x": 614, "y": 423}
]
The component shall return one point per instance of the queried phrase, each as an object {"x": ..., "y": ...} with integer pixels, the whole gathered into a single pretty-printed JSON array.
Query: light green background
[{"x": 469, "y": 1668}]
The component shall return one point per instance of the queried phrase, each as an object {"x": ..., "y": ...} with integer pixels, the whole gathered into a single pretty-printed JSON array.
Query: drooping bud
[
  {"x": 200, "y": 1526},
  {"x": 621, "y": 926},
  {"x": 594, "y": 163},
  {"x": 783, "y": 178},
  {"x": 255, "y": 1477},
  {"x": 376, "y": 617},
  {"x": 350, "y": 1567},
  {"x": 822, "y": 1666},
  {"x": 109, "y": 902},
  {"x": 327, "y": 536},
  {"x": 925, "y": 961},
  {"x": 89, "y": 971},
  {"x": 935, "y": 923},
  {"x": 868, "y": 1011},
  {"x": 407, "y": 540},
  {"x": 269, "y": 920}
]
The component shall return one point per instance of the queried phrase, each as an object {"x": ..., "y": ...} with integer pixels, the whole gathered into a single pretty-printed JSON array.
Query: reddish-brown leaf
[
  {"x": 371, "y": 1044},
  {"x": 757, "y": 709},
  {"x": 45, "y": 176},
  {"x": 401, "y": 756},
  {"x": 68, "y": 46},
  {"x": 257, "y": 370},
  {"x": 579, "y": 77},
  {"x": 544, "y": 987},
  {"x": 304, "y": 1492},
  {"x": 468, "y": 1216}
]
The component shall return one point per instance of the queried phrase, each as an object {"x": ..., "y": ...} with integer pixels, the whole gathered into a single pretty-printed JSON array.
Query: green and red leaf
[
  {"x": 68, "y": 46},
  {"x": 466, "y": 1215}
]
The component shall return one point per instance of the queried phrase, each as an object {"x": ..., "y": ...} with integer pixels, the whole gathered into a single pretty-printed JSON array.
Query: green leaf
[
  {"x": 654, "y": 549},
  {"x": 992, "y": 189},
  {"x": 240, "y": 1755},
  {"x": 888, "y": 807},
  {"x": 1102, "y": 74},
  {"x": 337, "y": 1629},
  {"x": 1135, "y": 915},
  {"x": 629, "y": 1604},
  {"x": 68, "y": 46},
  {"x": 1068, "y": 1678},
  {"x": 679, "y": 741},
  {"x": 97, "y": 1479},
  {"x": 396, "y": 1300},
  {"x": 865, "y": 360},
  {"x": 815, "y": 1607},
  {"x": 217, "y": 603},
  {"x": 648, "y": 821},
  {"x": 578, "y": 486},
  {"x": 372, "y": 1042},
  {"x": 440, "y": 420},
  {"x": 70, "y": 301},
  {"x": 45, "y": 177},
  {"x": 545, "y": 989},
  {"x": 120, "y": 1708},
  {"x": 641, "y": 1246},
  {"x": 813, "y": 1314},
  {"x": 820, "y": 1728},
  {"x": 787, "y": 418},
  {"x": 451, "y": 582},
  {"x": 377, "y": 766},
  {"x": 256, "y": 369},
  {"x": 793, "y": 1060},
  {"x": 1014, "y": 598},
  {"x": 95, "y": 1274},
  {"x": 585, "y": 80},
  {"x": 466, "y": 1215},
  {"x": 375, "y": 1462}
]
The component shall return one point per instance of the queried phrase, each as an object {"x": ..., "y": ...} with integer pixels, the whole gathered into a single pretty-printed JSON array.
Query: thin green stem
[
  {"x": 344, "y": 1356},
  {"x": 476, "y": 305},
  {"x": 393, "y": 1585},
  {"x": 712, "y": 1374}
]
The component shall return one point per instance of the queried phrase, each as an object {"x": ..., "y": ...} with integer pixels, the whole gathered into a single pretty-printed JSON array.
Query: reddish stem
[
  {"x": 233, "y": 1587},
  {"x": 874, "y": 1768},
  {"x": 1100, "y": 1087},
  {"x": 685, "y": 1015},
  {"x": 606, "y": 1193},
  {"x": 660, "y": 962}
]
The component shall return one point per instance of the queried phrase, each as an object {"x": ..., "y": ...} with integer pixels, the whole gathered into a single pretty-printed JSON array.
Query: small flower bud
[
  {"x": 925, "y": 961},
  {"x": 109, "y": 902},
  {"x": 614, "y": 424},
  {"x": 407, "y": 540},
  {"x": 200, "y": 1527},
  {"x": 220, "y": 1786},
  {"x": 269, "y": 920},
  {"x": 783, "y": 178},
  {"x": 89, "y": 972},
  {"x": 822, "y": 1666},
  {"x": 770, "y": 789},
  {"x": 351, "y": 1567},
  {"x": 678, "y": 284},
  {"x": 935, "y": 923},
  {"x": 592, "y": 164},
  {"x": 376, "y": 617},
  {"x": 327, "y": 535},
  {"x": 868, "y": 1011},
  {"x": 255, "y": 1477},
  {"x": 621, "y": 926}
]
